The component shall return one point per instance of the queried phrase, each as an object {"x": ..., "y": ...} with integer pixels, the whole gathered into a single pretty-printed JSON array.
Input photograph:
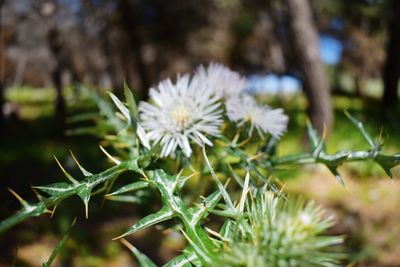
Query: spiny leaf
[
  {"x": 361, "y": 128},
  {"x": 145, "y": 160},
  {"x": 126, "y": 199},
  {"x": 337, "y": 175},
  {"x": 181, "y": 181},
  {"x": 110, "y": 173},
  {"x": 58, "y": 247},
  {"x": 201, "y": 254},
  {"x": 388, "y": 162},
  {"x": 84, "y": 130},
  {"x": 227, "y": 231},
  {"x": 130, "y": 100},
  {"x": 244, "y": 192},
  {"x": 150, "y": 220},
  {"x": 42, "y": 206},
  {"x": 312, "y": 135},
  {"x": 208, "y": 204},
  {"x": 235, "y": 176},
  {"x": 270, "y": 147},
  {"x": 143, "y": 260},
  {"x": 130, "y": 187},
  {"x": 57, "y": 188},
  {"x": 187, "y": 259},
  {"x": 83, "y": 117},
  {"x": 225, "y": 194},
  {"x": 334, "y": 160},
  {"x": 26, "y": 212},
  {"x": 105, "y": 108},
  {"x": 84, "y": 192}
]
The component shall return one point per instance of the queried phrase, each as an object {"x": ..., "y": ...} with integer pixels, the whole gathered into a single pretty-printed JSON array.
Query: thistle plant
[
  {"x": 197, "y": 133},
  {"x": 279, "y": 232}
]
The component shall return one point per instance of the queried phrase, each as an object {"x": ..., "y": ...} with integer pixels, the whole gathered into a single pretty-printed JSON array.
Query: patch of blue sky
[
  {"x": 272, "y": 83},
  {"x": 331, "y": 49},
  {"x": 331, "y": 53}
]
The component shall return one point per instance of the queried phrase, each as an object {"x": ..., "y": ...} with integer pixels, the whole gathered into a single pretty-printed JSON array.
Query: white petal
[
  {"x": 124, "y": 110},
  {"x": 144, "y": 139}
]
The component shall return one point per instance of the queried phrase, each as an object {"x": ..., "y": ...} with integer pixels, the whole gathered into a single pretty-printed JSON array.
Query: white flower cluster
[{"x": 191, "y": 110}]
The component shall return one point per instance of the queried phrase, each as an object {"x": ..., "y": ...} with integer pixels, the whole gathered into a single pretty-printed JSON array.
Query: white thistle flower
[
  {"x": 184, "y": 111},
  {"x": 224, "y": 82},
  {"x": 266, "y": 120}
]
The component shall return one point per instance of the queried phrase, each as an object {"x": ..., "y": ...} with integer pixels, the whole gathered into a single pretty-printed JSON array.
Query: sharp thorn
[
  {"x": 117, "y": 162},
  {"x": 69, "y": 177}
]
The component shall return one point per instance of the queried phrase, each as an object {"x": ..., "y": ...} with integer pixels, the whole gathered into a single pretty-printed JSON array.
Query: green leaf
[
  {"x": 143, "y": 260},
  {"x": 208, "y": 204},
  {"x": 270, "y": 147},
  {"x": 84, "y": 130},
  {"x": 312, "y": 135},
  {"x": 337, "y": 174},
  {"x": 32, "y": 210},
  {"x": 83, "y": 117},
  {"x": 130, "y": 187},
  {"x": 388, "y": 162},
  {"x": 187, "y": 259},
  {"x": 58, "y": 247},
  {"x": 110, "y": 173},
  {"x": 126, "y": 198},
  {"x": 200, "y": 252},
  {"x": 82, "y": 189},
  {"x": 57, "y": 188},
  {"x": 225, "y": 194},
  {"x": 361, "y": 128},
  {"x": 334, "y": 160},
  {"x": 235, "y": 176},
  {"x": 84, "y": 192},
  {"x": 130, "y": 100},
  {"x": 150, "y": 220},
  {"x": 105, "y": 109},
  {"x": 227, "y": 230}
]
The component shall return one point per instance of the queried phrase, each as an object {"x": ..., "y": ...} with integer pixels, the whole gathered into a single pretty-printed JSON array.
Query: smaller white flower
[
  {"x": 245, "y": 108},
  {"x": 222, "y": 81}
]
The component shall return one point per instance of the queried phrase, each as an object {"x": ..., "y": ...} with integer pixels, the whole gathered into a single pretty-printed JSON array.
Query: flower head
[
  {"x": 184, "y": 111},
  {"x": 244, "y": 108},
  {"x": 282, "y": 232},
  {"x": 224, "y": 82}
]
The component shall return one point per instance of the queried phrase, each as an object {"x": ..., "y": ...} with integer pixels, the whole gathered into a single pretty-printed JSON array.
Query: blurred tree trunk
[
  {"x": 305, "y": 44},
  {"x": 131, "y": 25},
  {"x": 359, "y": 84},
  {"x": 2, "y": 117},
  {"x": 391, "y": 71},
  {"x": 55, "y": 45}
]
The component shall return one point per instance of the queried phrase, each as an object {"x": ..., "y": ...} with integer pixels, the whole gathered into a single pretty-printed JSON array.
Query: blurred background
[{"x": 313, "y": 58}]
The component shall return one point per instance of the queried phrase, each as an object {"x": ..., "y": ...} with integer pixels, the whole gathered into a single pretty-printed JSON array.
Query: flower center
[{"x": 181, "y": 116}]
